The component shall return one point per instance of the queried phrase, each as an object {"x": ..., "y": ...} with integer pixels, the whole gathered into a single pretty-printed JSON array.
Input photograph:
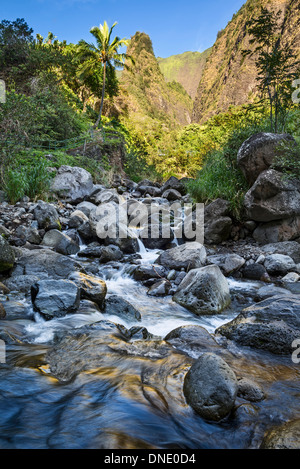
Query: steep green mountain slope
[
  {"x": 228, "y": 78},
  {"x": 145, "y": 96},
  {"x": 186, "y": 68}
]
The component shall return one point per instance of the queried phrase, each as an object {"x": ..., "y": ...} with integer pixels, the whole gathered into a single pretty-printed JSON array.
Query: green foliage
[
  {"x": 220, "y": 176},
  {"x": 287, "y": 160},
  {"x": 46, "y": 115},
  {"x": 26, "y": 175},
  {"x": 105, "y": 54},
  {"x": 15, "y": 39},
  {"x": 276, "y": 64}
]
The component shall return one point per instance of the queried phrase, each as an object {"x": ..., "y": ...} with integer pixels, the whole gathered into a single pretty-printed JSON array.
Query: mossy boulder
[{"x": 7, "y": 255}]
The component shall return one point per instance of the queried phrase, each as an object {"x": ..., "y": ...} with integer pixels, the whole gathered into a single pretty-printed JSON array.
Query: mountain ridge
[{"x": 229, "y": 79}]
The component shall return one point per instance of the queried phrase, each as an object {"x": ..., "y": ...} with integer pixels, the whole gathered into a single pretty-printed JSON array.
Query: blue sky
[{"x": 174, "y": 26}]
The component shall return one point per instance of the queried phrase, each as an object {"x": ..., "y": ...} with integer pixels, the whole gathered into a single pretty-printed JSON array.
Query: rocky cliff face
[
  {"x": 145, "y": 94},
  {"x": 187, "y": 69},
  {"x": 228, "y": 78}
]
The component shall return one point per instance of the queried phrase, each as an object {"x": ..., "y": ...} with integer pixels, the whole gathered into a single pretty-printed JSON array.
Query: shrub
[{"x": 288, "y": 160}]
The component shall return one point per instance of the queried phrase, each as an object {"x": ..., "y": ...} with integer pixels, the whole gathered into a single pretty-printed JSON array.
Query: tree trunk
[{"x": 102, "y": 98}]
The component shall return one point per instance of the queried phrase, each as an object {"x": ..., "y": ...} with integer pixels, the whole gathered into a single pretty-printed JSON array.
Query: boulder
[
  {"x": 217, "y": 222},
  {"x": 147, "y": 272},
  {"x": 46, "y": 216},
  {"x": 193, "y": 340},
  {"x": 21, "y": 283},
  {"x": 156, "y": 236},
  {"x": 91, "y": 288},
  {"x": 109, "y": 224},
  {"x": 279, "y": 264},
  {"x": 228, "y": 263},
  {"x": 188, "y": 256},
  {"x": 175, "y": 184},
  {"x": 270, "y": 325},
  {"x": 77, "y": 219},
  {"x": 171, "y": 195},
  {"x": 7, "y": 255},
  {"x": 103, "y": 253},
  {"x": 44, "y": 264},
  {"x": 257, "y": 153},
  {"x": 86, "y": 207},
  {"x": 272, "y": 198},
  {"x": 60, "y": 242},
  {"x": 204, "y": 291},
  {"x": 278, "y": 231},
  {"x": 289, "y": 248},
  {"x": 255, "y": 272},
  {"x": 118, "y": 306},
  {"x": 144, "y": 186},
  {"x": 286, "y": 436},
  {"x": 73, "y": 184},
  {"x": 107, "y": 196},
  {"x": 210, "y": 387},
  {"x": 24, "y": 234},
  {"x": 250, "y": 391},
  {"x": 55, "y": 298},
  {"x": 160, "y": 288}
]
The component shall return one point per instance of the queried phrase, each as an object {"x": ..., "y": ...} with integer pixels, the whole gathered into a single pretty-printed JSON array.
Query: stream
[{"x": 99, "y": 390}]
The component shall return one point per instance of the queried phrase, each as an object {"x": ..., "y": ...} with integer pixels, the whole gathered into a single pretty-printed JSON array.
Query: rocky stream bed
[{"x": 144, "y": 344}]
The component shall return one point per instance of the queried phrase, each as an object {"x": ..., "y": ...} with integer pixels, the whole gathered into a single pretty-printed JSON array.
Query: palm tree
[{"x": 106, "y": 53}]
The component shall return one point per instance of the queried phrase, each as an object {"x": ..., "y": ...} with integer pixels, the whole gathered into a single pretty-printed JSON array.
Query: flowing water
[{"x": 80, "y": 382}]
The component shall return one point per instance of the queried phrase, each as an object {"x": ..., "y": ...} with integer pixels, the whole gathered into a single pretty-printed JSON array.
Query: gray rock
[
  {"x": 250, "y": 391},
  {"x": 188, "y": 256},
  {"x": 255, "y": 272},
  {"x": 60, "y": 242},
  {"x": 118, "y": 306},
  {"x": 91, "y": 288},
  {"x": 109, "y": 223},
  {"x": 86, "y": 207},
  {"x": 210, "y": 387},
  {"x": 161, "y": 288},
  {"x": 217, "y": 230},
  {"x": 21, "y": 283},
  {"x": 204, "y": 291},
  {"x": 44, "y": 264},
  {"x": 107, "y": 196},
  {"x": 278, "y": 231},
  {"x": 103, "y": 253},
  {"x": 228, "y": 263},
  {"x": 46, "y": 216},
  {"x": 272, "y": 198},
  {"x": 257, "y": 153},
  {"x": 288, "y": 248},
  {"x": 28, "y": 234},
  {"x": 292, "y": 277},
  {"x": 270, "y": 290},
  {"x": 153, "y": 191},
  {"x": 55, "y": 298},
  {"x": 77, "y": 219},
  {"x": 154, "y": 237},
  {"x": 171, "y": 195},
  {"x": 7, "y": 255},
  {"x": 73, "y": 184},
  {"x": 218, "y": 224},
  {"x": 279, "y": 264},
  {"x": 146, "y": 272},
  {"x": 176, "y": 184},
  {"x": 270, "y": 325},
  {"x": 286, "y": 436},
  {"x": 193, "y": 340}
]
